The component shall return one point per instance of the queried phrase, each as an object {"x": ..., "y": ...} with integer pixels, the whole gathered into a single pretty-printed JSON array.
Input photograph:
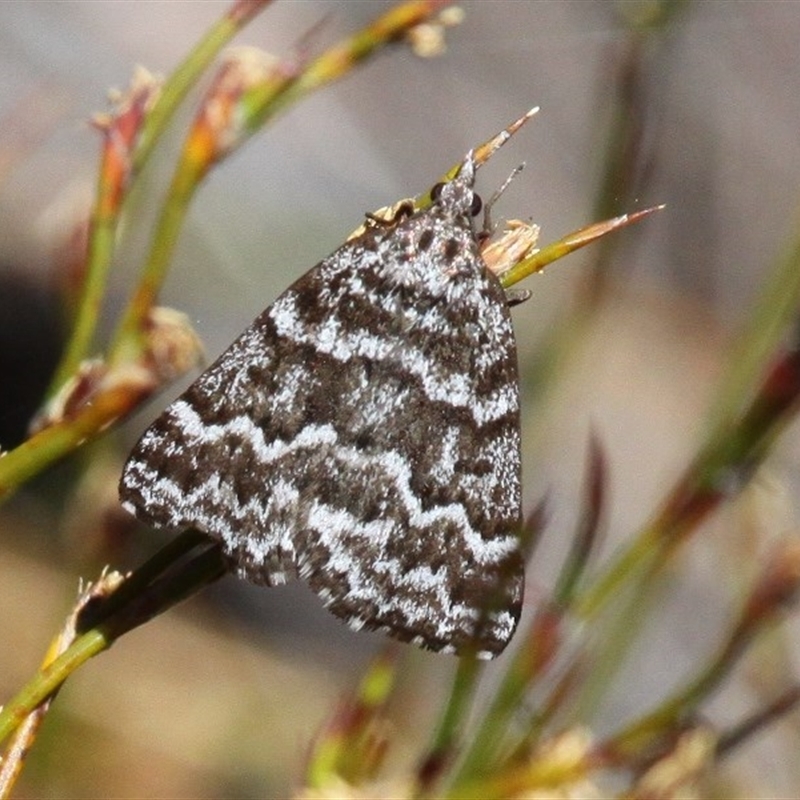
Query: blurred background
[{"x": 219, "y": 697}]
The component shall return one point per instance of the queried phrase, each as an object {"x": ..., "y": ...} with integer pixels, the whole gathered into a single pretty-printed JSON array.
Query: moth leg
[
  {"x": 387, "y": 217},
  {"x": 516, "y": 296}
]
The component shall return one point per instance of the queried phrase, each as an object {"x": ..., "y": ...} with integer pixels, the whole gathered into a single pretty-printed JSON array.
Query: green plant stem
[
  {"x": 340, "y": 59},
  {"x": 625, "y": 589},
  {"x": 160, "y": 595},
  {"x": 258, "y": 104},
  {"x": 641, "y": 556},
  {"x": 775, "y": 310},
  {"x": 137, "y": 582},
  {"x": 530, "y": 658},
  {"x": 569, "y": 244},
  {"x": 49, "y": 680},
  {"x": 187, "y": 74},
  {"x": 128, "y": 341},
  {"x": 491, "y": 734},
  {"x": 110, "y": 199},
  {"x": 721, "y": 469},
  {"x": 636, "y": 739},
  {"x": 100, "y": 249},
  {"x": 617, "y": 629},
  {"x": 52, "y": 443},
  {"x": 451, "y": 723},
  {"x": 61, "y": 438}
]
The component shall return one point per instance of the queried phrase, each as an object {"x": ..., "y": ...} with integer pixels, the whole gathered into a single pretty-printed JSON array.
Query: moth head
[{"x": 458, "y": 195}]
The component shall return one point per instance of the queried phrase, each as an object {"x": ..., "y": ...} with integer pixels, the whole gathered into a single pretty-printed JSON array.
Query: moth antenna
[{"x": 488, "y": 227}]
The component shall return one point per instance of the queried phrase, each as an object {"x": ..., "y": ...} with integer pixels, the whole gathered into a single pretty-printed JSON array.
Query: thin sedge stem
[
  {"x": 720, "y": 470},
  {"x": 49, "y": 445},
  {"x": 127, "y": 342},
  {"x": 340, "y": 59},
  {"x": 532, "y": 655},
  {"x": 735, "y": 736},
  {"x": 569, "y": 244},
  {"x": 107, "y": 210},
  {"x": 641, "y": 556},
  {"x": 258, "y": 106},
  {"x": 49, "y": 679},
  {"x": 137, "y": 582},
  {"x": 187, "y": 74},
  {"x": 539, "y": 645},
  {"x": 98, "y": 259},
  {"x": 584, "y": 539},
  {"x": 451, "y": 724},
  {"x": 636, "y": 737},
  {"x": 774, "y": 312},
  {"x": 160, "y": 595}
]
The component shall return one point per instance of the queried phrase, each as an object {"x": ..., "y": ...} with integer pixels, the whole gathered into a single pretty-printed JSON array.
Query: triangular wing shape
[{"x": 363, "y": 433}]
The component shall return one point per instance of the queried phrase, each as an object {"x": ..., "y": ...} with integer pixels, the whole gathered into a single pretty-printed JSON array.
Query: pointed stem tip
[{"x": 484, "y": 152}]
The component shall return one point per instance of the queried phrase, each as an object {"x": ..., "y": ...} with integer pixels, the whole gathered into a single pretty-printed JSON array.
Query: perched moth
[{"x": 363, "y": 434}]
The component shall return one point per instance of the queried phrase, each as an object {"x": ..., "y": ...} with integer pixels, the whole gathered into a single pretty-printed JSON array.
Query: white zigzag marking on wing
[
  {"x": 393, "y": 465},
  {"x": 422, "y": 581},
  {"x": 331, "y": 523},
  {"x": 329, "y": 337}
]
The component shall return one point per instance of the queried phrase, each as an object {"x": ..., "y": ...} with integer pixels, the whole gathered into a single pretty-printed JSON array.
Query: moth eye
[
  {"x": 436, "y": 191},
  {"x": 477, "y": 205}
]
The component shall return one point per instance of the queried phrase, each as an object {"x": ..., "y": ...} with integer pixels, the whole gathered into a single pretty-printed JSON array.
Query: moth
[{"x": 363, "y": 434}]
